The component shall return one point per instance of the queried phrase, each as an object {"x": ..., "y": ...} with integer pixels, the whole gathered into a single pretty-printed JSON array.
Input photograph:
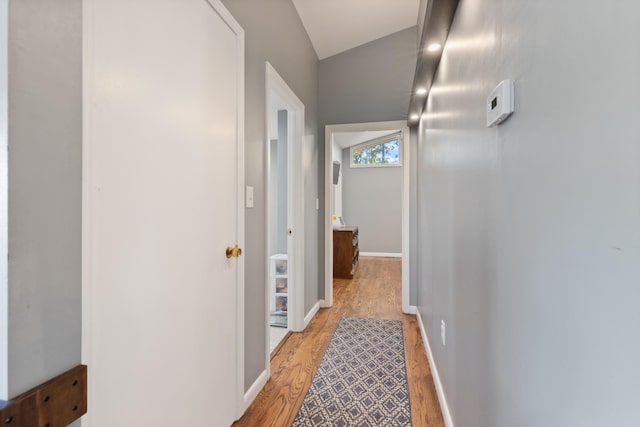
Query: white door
[{"x": 163, "y": 178}]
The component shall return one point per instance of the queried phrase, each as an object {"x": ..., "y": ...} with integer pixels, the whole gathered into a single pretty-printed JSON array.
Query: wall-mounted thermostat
[{"x": 500, "y": 103}]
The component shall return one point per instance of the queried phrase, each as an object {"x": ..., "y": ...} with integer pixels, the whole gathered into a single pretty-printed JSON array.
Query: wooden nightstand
[{"x": 345, "y": 252}]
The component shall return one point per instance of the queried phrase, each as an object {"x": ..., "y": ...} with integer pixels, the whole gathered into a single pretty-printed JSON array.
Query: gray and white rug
[{"x": 362, "y": 378}]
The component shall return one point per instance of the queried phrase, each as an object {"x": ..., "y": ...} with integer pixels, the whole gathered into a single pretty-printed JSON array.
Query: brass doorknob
[{"x": 233, "y": 252}]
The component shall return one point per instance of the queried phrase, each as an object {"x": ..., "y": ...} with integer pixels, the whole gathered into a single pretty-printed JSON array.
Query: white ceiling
[
  {"x": 349, "y": 139},
  {"x": 338, "y": 25}
]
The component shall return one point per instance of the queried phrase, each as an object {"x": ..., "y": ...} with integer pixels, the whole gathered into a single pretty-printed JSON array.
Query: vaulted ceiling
[{"x": 335, "y": 26}]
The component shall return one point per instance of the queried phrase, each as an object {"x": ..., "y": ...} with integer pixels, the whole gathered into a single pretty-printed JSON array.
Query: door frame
[
  {"x": 276, "y": 85},
  {"x": 87, "y": 205},
  {"x": 328, "y": 192}
]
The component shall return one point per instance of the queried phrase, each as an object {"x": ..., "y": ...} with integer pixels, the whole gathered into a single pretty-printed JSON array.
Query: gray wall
[
  {"x": 274, "y": 33},
  {"x": 372, "y": 200},
  {"x": 530, "y": 232},
  {"x": 369, "y": 83},
  {"x": 45, "y": 154}
]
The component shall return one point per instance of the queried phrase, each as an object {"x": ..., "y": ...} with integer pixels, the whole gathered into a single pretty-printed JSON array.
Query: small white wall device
[{"x": 500, "y": 103}]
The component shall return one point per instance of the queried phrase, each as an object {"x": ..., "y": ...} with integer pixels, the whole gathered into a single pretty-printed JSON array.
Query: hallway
[{"x": 374, "y": 292}]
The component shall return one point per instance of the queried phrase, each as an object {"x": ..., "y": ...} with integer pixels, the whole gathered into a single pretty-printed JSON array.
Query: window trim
[{"x": 397, "y": 136}]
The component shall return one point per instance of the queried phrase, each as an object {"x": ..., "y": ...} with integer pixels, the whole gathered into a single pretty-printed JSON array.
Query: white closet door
[{"x": 163, "y": 174}]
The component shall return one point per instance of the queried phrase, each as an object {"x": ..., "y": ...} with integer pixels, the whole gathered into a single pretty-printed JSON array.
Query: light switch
[
  {"x": 249, "y": 197},
  {"x": 317, "y": 204}
]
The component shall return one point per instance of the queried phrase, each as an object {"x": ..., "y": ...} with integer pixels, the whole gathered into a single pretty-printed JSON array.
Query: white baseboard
[
  {"x": 446, "y": 414},
  {"x": 412, "y": 309},
  {"x": 382, "y": 254},
  {"x": 312, "y": 313},
  {"x": 323, "y": 304},
  {"x": 253, "y": 391}
]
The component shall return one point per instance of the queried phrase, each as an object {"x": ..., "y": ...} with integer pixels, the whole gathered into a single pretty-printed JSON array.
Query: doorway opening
[
  {"x": 284, "y": 211},
  {"x": 278, "y": 224},
  {"x": 358, "y": 146}
]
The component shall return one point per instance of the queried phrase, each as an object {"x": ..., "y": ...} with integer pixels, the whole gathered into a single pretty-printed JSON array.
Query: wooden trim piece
[{"x": 55, "y": 403}]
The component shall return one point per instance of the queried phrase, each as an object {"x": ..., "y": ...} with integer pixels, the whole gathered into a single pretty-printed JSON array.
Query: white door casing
[
  {"x": 329, "y": 208},
  {"x": 163, "y": 193},
  {"x": 277, "y": 88}
]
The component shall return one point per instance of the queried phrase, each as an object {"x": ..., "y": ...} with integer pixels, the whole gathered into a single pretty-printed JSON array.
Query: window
[{"x": 385, "y": 151}]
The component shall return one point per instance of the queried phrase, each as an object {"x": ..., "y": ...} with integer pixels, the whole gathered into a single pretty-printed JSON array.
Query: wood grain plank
[{"x": 55, "y": 403}]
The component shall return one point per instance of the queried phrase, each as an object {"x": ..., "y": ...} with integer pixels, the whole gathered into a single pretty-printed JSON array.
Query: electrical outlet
[{"x": 443, "y": 332}]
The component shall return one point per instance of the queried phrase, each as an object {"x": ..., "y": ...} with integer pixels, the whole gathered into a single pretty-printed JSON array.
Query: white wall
[{"x": 530, "y": 232}]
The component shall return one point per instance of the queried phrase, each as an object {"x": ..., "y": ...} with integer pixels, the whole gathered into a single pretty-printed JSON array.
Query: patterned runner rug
[{"x": 362, "y": 378}]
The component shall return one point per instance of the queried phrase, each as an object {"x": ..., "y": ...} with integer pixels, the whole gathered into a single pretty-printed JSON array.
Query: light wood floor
[{"x": 375, "y": 292}]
